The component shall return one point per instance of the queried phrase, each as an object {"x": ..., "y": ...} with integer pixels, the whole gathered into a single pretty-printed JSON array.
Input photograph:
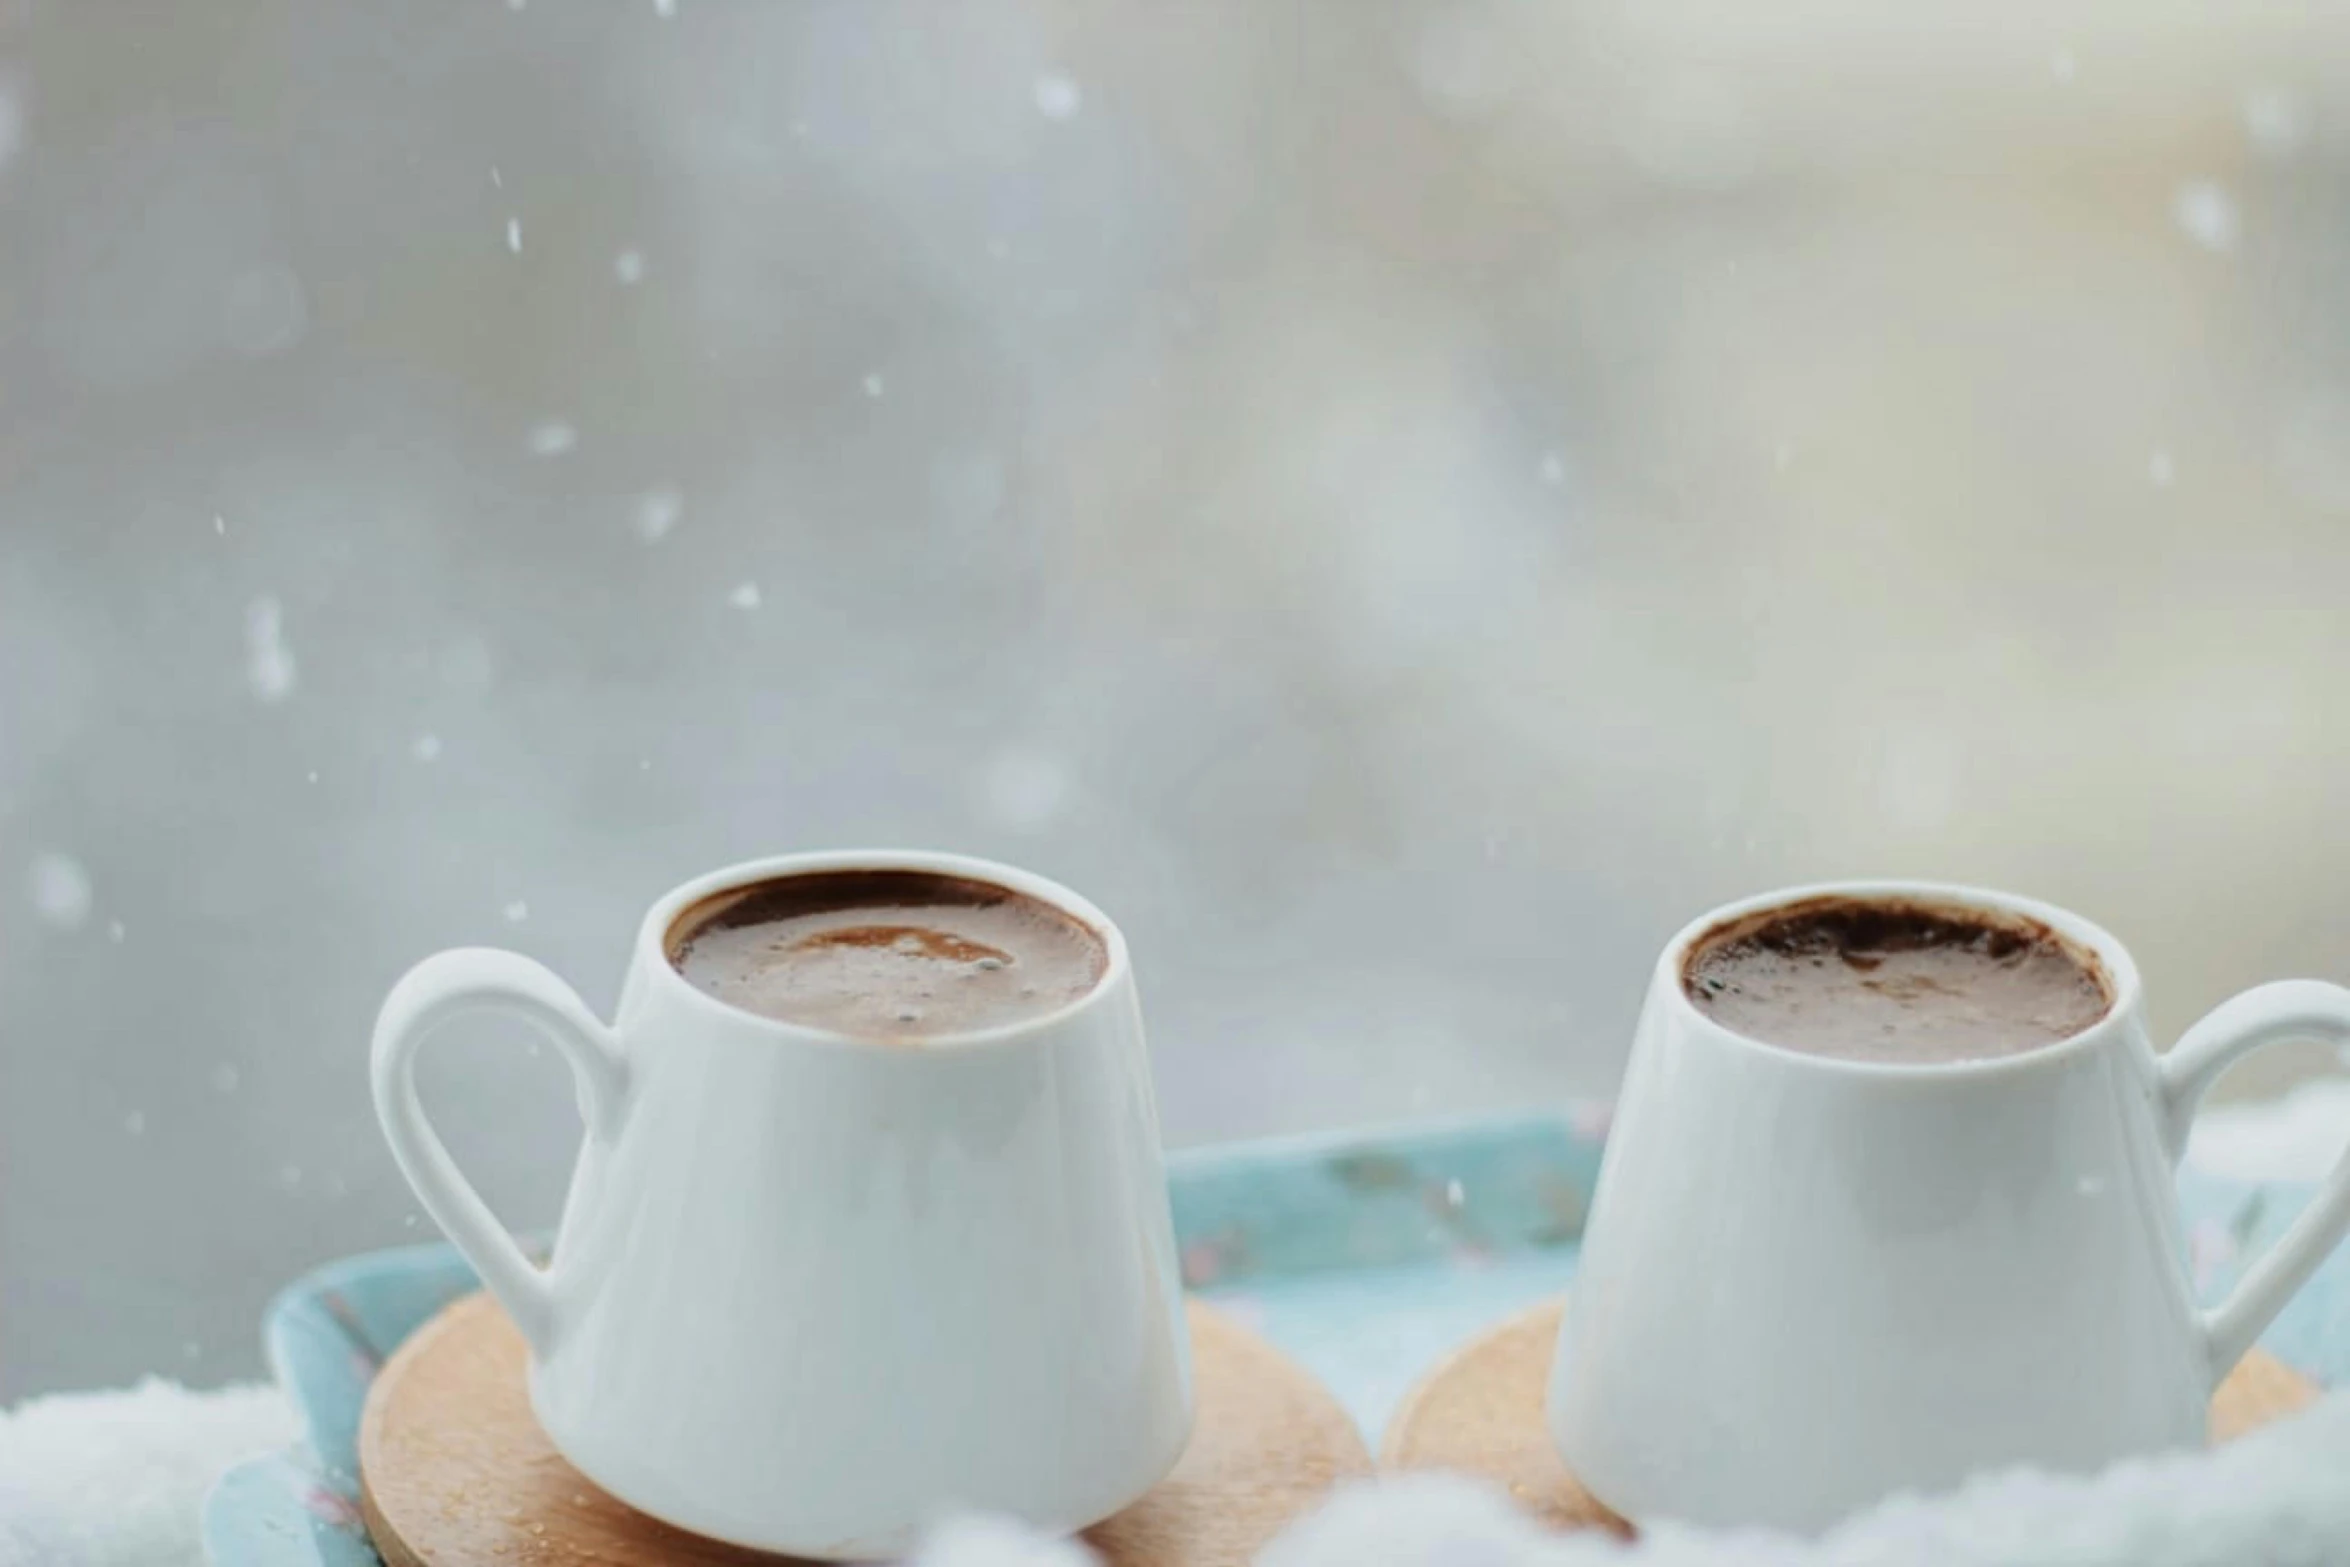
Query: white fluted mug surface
[
  {"x": 1833, "y": 1255},
  {"x": 828, "y": 1270}
]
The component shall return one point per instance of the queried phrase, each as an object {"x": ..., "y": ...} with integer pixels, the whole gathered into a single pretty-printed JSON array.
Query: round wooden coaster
[
  {"x": 455, "y": 1472},
  {"x": 1480, "y": 1412}
]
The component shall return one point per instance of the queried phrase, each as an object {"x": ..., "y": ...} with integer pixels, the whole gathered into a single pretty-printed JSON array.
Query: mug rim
[
  {"x": 2110, "y": 955},
  {"x": 652, "y": 946}
]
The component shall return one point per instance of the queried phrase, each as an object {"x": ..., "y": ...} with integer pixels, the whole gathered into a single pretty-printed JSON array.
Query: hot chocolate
[
  {"x": 1892, "y": 980},
  {"x": 892, "y": 956}
]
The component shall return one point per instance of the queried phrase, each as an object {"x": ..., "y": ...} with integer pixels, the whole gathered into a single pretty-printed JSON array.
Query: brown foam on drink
[
  {"x": 1895, "y": 980},
  {"x": 887, "y": 955}
]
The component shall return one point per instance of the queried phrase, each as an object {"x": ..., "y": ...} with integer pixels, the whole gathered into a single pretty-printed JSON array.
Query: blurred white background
[{"x": 1403, "y": 503}]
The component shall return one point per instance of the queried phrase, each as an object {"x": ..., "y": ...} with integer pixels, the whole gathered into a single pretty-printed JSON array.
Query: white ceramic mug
[
  {"x": 811, "y": 1292},
  {"x": 1808, "y": 1282}
]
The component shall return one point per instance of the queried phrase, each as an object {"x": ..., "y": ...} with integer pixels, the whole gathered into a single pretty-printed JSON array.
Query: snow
[
  {"x": 2160, "y": 470},
  {"x": 1058, "y": 97},
  {"x": 744, "y": 596},
  {"x": 629, "y": 267},
  {"x": 269, "y": 663},
  {"x": 995, "y": 1542},
  {"x": 552, "y": 438},
  {"x": 514, "y": 235},
  {"x": 2275, "y": 1498},
  {"x": 517, "y": 911},
  {"x": 59, "y": 889},
  {"x": 2207, "y": 213},
  {"x": 427, "y": 748},
  {"x": 115, "y": 1479},
  {"x": 873, "y": 384},
  {"x": 1436, "y": 1520},
  {"x": 657, "y": 511}
]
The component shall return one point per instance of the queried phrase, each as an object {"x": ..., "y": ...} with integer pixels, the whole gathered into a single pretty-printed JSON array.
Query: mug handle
[
  {"x": 2290, "y": 1009},
  {"x": 483, "y": 979}
]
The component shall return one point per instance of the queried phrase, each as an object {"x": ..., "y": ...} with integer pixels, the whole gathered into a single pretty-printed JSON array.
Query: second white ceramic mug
[
  {"x": 1807, "y": 1282},
  {"x": 811, "y": 1292}
]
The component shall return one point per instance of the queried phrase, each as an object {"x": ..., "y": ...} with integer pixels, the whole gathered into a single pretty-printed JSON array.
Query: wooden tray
[{"x": 1364, "y": 1257}]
